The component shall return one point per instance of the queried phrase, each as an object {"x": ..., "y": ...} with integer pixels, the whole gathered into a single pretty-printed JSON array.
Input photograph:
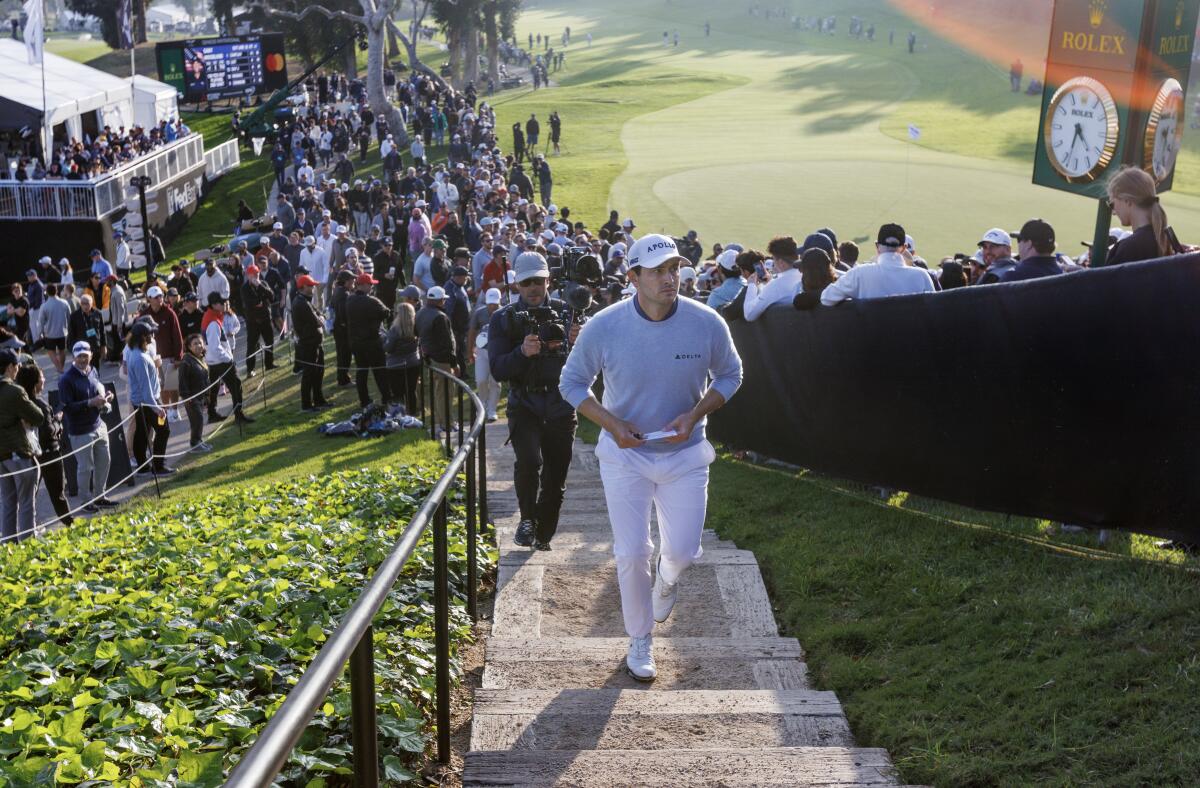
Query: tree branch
[
  {"x": 328, "y": 14},
  {"x": 415, "y": 62}
]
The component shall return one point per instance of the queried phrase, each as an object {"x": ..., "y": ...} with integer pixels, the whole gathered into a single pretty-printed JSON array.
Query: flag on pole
[
  {"x": 914, "y": 133},
  {"x": 125, "y": 24},
  {"x": 35, "y": 30}
]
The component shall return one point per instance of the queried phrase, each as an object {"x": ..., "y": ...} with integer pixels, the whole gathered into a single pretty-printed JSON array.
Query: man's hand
[
  {"x": 573, "y": 335},
  {"x": 97, "y": 401},
  {"x": 531, "y": 346},
  {"x": 625, "y": 434},
  {"x": 471, "y": 356},
  {"x": 683, "y": 425}
]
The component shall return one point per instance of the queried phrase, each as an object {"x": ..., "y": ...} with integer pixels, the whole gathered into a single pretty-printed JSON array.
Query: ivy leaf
[
  {"x": 394, "y": 771},
  {"x": 83, "y": 700},
  {"x": 200, "y": 768}
]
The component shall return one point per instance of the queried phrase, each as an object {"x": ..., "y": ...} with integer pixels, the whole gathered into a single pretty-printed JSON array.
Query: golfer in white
[{"x": 667, "y": 362}]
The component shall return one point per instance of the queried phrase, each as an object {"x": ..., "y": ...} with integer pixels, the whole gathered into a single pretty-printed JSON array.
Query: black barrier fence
[
  {"x": 1074, "y": 398},
  {"x": 352, "y": 641}
]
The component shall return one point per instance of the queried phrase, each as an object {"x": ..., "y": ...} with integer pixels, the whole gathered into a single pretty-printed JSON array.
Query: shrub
[{"x": 150, "y": 648}]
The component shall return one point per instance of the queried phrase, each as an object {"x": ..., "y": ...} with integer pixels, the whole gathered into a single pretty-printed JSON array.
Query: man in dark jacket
[
  {"x": 389, "y": 266},
  {"x": 84, "y": 400},
  {"x": 310, "y": 355},
  {"x": 341, "y": 329},
  {"x": 519, "y": 179},
  {"x": 87, "y": 325},
  {"x": 545, "y": 179},
  {"x": 458, "y": 309},
  {"x": 365, "y": 315},
  {"x": 1035, "y": 244},
  {"x": 256, "y": 305},
  {"x": 190, "y": 315},
  {"x": 436, "y": 339}
]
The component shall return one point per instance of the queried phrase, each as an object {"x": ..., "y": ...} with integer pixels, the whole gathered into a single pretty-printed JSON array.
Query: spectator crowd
[
  {"x": 405, "y": 270},
  {"x": 91, "y": 157}
]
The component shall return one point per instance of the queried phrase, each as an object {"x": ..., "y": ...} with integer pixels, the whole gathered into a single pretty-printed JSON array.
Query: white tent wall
[{"x": 153, "y": 102}]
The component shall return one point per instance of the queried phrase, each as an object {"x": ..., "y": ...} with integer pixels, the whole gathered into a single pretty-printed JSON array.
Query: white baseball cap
[
  {"x": 45, "y": 260},
  {"x": 154, "y": 292},
  {"x": 547, "y": 235},
  {"x": 628, "y": 224},
  {"x": 511, "y": 276},
  {"x": 492, "y": 296},
  {"x": 277, "y": 226},
  {"x": 552, "y": 208},
  {"x": 727, "y": 260},
  {"x": 910, "y": 243},
  {"x": 435, "y": 293},
  {"x": 81, "y": 348},
  {"x": 687, "y": 273},
  {"x": 652, "y": 251},
  {"x": 996, "y": 236},
  {"x": 310, "y": 241}
]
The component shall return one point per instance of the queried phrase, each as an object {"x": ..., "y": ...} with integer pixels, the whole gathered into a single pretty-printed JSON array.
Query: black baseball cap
[
  {"x": 891, "y": 235},
  {"x": 1036, "y": 231},
  {"x": 8, "y": 357},
  {"x": 459, "y": 270}
]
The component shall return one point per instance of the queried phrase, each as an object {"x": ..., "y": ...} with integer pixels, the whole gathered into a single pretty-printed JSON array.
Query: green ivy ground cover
[{"x": 149, "y": 649}]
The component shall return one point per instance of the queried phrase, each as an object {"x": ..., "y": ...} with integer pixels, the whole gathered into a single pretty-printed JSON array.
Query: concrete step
[
  {"x": 628, "y": 719},
  {"x": 721, "y": 596},
  {"x": 811, "y": 766},
  {"x": 592, "y": 539},
  {"x": 767, "y": 663},
  {"x": 587, "y": 555}
]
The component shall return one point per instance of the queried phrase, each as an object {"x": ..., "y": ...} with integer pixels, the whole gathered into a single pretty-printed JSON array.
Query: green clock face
[{"x": 1081, "y": 130}]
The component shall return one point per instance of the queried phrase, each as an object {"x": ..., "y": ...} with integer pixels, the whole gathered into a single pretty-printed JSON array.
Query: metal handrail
[{"x": 352, "y": 641}]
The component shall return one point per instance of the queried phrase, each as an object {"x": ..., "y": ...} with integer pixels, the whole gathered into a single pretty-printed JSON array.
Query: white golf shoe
[
  {"x": 640, "y": 661},
  {"x": 664, "y": 595}
]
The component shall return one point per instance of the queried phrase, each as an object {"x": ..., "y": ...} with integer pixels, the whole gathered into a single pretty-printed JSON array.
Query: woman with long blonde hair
[
  {"x": 1134, "y": 200},
  {"x": 403, "y": 360}
]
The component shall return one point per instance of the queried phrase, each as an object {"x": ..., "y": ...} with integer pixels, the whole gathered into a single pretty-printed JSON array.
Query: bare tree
[{"x": 376, "y": 19}]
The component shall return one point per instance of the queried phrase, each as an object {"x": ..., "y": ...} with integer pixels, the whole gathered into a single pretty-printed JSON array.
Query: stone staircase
[{"x": 731, "y": 705}]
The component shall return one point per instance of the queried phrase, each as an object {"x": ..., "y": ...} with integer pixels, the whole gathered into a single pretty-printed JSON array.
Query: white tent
[
  {"x": 79, "y": 96},
  {"x": 153, "y": 101}
]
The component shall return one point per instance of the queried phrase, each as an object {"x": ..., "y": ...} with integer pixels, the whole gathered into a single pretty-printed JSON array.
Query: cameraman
[{"x": 541, "y": 423}]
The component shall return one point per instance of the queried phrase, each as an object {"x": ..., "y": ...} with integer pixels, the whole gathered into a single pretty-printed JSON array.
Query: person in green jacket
[{"x": 18, "y": 457}]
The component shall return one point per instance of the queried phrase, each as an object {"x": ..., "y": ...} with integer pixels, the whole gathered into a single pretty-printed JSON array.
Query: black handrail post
[
  {"x": 472, "y": 570},
  {"x": 460, "y": 416},
  {"x": 446, "y": 412},
  {"x": 481, "y": 450},
  {"x": 364, "y": 730},
  {"x": 441, "y": 604},
  {"x": 432, "y": 402}
]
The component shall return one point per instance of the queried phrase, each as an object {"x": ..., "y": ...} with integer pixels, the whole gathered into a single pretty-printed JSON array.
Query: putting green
[{"x": 799, "y": 144}]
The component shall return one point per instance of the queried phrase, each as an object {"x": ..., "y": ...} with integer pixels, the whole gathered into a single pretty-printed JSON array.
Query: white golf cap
[
  {"x": 277, "y": 226},
  {"x": 154, "y": 292},
  {"x": 510, "y": 276},
  {"x": 910, "y": 243},
  {"x": 727, "y": 260},
  {"x": 45, "y": 260},
  {"x": 529, "y": 265},
  {"x": 310, "y": 241},
  {"x": 628, "y": 224},
  {"x": 81, "y": 348},
  {"x": 552, "y": 209},
  {"x": 492, "y": 296},
  {"x": 547, "y": 235},
  {"x": 651, "y": 251},
  {"x": 996, "y": 236},
  {"x": 435, "y": 293},
  {"x": 263, "y": 240},
  {"x": 687, "y": 273}
]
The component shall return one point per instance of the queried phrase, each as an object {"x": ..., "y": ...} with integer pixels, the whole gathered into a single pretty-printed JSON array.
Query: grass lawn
[{"x": 974, "y": 658}]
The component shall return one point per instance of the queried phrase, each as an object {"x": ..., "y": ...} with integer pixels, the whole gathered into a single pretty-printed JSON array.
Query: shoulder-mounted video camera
[{"x": 579, "y": 273}]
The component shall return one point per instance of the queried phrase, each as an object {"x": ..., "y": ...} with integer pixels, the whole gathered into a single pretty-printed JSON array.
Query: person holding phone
[
  {"x": 764, "y": 289},
  {"x": 658, "y": 353}
]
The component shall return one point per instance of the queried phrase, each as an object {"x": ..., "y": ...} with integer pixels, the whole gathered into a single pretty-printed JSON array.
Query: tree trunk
[
  {"x": 376, "y": 97},
  {"x": 350, "y": 60},
  {"x": 471, "y": 54},
  {"x": 393, "y": 45},
  {"x": 493, "y": 44}
]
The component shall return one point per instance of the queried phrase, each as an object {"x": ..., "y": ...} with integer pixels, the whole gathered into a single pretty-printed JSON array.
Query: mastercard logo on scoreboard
[{"x": 274, "y": 62}]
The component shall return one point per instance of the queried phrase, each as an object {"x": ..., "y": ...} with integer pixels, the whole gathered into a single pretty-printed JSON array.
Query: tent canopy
[
  {"x": 72, "y": 89},
  {"x": 153, "y": 101}
]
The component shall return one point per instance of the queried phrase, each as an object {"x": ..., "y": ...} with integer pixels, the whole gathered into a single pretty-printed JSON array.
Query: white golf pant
[
  {"x": 677, "y": 484},
  {"x": 486, "y": 386}
]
